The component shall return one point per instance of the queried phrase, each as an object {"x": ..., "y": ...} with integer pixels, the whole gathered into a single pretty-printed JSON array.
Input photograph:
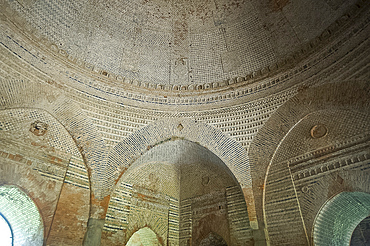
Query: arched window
[
  {"x": 22, "y": 216},
  {"x": 6, "y": 233}
]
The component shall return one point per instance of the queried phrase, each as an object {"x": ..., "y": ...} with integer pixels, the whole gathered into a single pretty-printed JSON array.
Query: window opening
[
  {"x": 6, "y": 232},
  {"x": 22, "y": 215}
]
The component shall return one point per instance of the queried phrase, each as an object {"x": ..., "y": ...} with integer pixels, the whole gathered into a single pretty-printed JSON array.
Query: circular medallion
[{"x": 318, "y": 131}]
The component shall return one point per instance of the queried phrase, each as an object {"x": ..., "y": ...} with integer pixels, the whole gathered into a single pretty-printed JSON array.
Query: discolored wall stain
[{"x": 278, "y": 5}]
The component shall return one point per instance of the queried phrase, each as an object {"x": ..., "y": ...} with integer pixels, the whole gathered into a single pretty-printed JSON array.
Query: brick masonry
[{"x": 90, "y": 111}]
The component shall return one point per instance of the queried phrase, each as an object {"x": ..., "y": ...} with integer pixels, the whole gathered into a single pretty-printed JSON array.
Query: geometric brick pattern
[
  {"x": 154, "y": 189},
  {"x": 45, "y": 162},
  {"x": 191, "y": 48},
  {"x": 278, "y": 95}
]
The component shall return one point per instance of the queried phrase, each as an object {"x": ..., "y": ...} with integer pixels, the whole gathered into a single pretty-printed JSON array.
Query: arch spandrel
[
  {"x": 329, "y": 96},
  {"x": 39, "y": 155}
]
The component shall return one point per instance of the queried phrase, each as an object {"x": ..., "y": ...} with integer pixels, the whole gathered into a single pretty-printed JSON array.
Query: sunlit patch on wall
[{"x": 143, "y": 237}]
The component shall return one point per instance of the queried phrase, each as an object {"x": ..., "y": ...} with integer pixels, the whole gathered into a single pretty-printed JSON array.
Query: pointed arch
[
  {"x": 228, "y": 150},
  {"x": 286, "y": 153}
]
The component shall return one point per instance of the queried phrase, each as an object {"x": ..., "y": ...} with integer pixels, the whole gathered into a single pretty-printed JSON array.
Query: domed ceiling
[{"x": 180, "y": 42}]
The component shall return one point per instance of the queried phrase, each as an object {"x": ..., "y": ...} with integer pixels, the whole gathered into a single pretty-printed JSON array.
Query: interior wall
[
  {"x": 73, "y": 209},
  {"x": 311, "y": 158},
  {"x": 290, "y": 128},
  {"x": 338, "y": 218},
  {"x": 361, "y": 234},
  {"x": 39, "y": 156}
]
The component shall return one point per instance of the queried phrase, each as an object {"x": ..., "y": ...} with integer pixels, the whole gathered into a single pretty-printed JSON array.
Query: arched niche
[
  {"x": 227, "y": 149},
  {"x": 23, "y": 216},
  {"x": 308, "y": 166},
  {"x": 143, "y": 237},
  {"x": 183, "y": 192},
  {"x": 339, "y": 217}
]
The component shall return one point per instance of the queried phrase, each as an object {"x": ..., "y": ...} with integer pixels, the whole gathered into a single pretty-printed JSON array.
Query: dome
[{"x": 179, "y": 42}]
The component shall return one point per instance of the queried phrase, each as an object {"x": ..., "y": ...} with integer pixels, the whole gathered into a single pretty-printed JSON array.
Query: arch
[
  {"x": 6, "y": 231},
  {"x": 350, "y": 95},
  {"x": 28, "y": 94},
  {"x": 143, "y": 237},
  {"x": 338, "y": 218},
  {"x": 179, "y": 177},
  {"x": 301, "y": 162},
  {"x": 23, "y": 216},
  {"x": 228, "y": 150}
]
